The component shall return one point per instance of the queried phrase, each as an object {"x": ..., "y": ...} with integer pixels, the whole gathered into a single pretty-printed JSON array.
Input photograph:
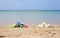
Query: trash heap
[
  {"x": 44, "y": 25},
  {"x": 19, "y": 25}
]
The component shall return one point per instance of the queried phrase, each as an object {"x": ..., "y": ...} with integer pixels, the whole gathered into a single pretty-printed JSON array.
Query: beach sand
[{"x": 30, "y": 32}]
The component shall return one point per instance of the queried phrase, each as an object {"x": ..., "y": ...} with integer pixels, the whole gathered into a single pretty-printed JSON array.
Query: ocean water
[{"x": 29, "y": 17}]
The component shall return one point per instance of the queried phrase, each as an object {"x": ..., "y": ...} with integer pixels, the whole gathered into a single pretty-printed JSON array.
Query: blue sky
[{"x": 29, "y": 4}]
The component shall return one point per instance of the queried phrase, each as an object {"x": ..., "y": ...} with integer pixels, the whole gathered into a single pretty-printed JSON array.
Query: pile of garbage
[
  {"x": 44, "y": 25},
  {"x": 19, "y": 25}
]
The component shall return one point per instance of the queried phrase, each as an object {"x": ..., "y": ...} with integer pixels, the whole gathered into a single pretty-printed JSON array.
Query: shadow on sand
[{"x": 2, "y": 36}]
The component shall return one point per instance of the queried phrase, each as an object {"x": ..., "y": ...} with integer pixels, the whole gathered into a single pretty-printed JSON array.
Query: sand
[{"x": 30, "y": 32}]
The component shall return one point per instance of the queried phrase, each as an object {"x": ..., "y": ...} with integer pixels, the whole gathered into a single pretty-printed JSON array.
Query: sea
[{"x": 31, "y": 17}]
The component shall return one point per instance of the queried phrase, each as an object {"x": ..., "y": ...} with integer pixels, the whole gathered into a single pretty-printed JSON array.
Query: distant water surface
[{"x": 29, "y": 17}]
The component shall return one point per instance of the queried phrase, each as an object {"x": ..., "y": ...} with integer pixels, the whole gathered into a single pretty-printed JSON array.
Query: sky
[{"x": 29, "y": 4}]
